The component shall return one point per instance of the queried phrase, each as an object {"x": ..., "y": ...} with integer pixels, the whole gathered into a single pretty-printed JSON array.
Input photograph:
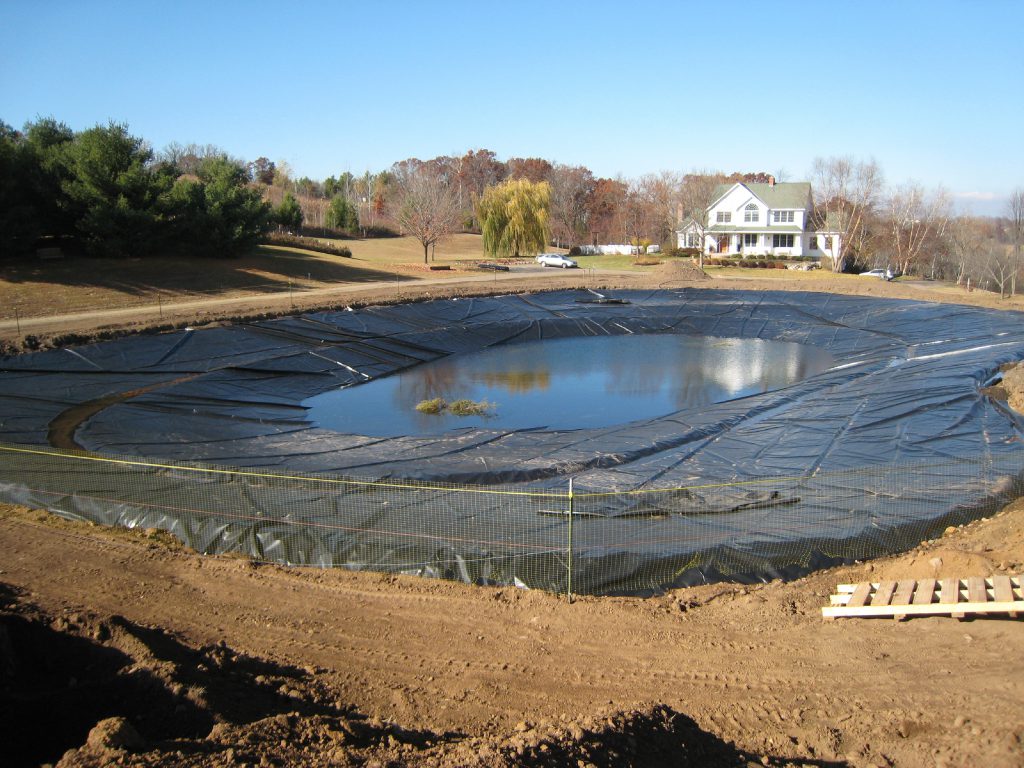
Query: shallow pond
[{"x": 575, "y": 383}]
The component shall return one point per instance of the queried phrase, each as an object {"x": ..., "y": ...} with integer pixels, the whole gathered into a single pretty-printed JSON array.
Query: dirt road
[{"x": 209, "y": 308}]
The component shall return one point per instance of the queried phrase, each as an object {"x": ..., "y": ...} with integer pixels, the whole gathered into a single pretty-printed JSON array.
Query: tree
[
  {"x": 342, "y": 214},
  {"x": 424, "y": 206},
  {"x": 915, "y": 219},
  {"x": 1015, "y": 208},
  {"x": 112, "y": 192},
  {"x": 514, "y": 217},
  {"x": 967, "y": 243},
  {"x": 533, "y": 168},
  {"x": 261, "y": 170},
  {"x": 215, "y": 213},
  {"x": 645, "y": 213},
  {"x": 697, "y": 193},
  {"x": 571, "y": 190},
  {"x": 846, "y": 199},
  {"x": 605, "y": 209},
  {"x": 289, "y": 213}
]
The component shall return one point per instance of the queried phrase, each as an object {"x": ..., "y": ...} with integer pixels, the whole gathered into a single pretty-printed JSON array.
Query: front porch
[{"x": 755, "y": 244}]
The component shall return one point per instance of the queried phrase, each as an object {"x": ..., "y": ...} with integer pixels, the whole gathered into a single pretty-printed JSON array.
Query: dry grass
[{"x": 79, "y": 284}]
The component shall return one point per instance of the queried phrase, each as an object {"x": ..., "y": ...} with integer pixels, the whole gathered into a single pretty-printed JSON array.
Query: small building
[{"x": 758, "y": 220}]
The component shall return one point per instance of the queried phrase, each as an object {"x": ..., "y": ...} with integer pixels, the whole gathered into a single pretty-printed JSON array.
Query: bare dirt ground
[{"x": 121, "y": 647}]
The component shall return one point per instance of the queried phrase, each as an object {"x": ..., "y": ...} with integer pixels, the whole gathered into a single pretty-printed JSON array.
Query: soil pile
[{"x": 673, "y": 271}]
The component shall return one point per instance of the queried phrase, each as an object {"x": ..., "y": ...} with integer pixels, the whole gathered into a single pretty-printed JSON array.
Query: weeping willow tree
[{"x": 514, "y": 217}]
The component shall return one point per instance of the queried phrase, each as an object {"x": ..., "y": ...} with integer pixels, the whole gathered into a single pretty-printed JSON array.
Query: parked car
[
  {"x": 885, "y": 274},
  {"x": 556, "y": 260}
]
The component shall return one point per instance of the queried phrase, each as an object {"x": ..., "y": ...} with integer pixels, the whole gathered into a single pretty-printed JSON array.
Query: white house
[{"x": 756, "y": 219}]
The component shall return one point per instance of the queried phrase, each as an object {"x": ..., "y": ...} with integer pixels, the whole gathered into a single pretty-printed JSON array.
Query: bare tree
[
  {"x": 424, "y": 206},
  {"x": 846, "y": 197},
  {"x": 916, "y": 219},
  {"x": 998, "y": 262},
  {"x": 571, "y": 190},
  {"x": 696, "y": 195},
  {"x": 1016, "y": 211}
]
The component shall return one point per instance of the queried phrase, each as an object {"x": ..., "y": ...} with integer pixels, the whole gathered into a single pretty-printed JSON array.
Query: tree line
[
  {"x": 115, "y": 196},
  {"x": 109, "y": 194}
]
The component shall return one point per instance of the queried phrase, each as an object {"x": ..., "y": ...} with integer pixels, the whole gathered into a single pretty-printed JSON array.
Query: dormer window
[
  {"x": 783, "y": 217},
  {"x": 750, "y": 213},
  {"x": 724, "y": 217}
]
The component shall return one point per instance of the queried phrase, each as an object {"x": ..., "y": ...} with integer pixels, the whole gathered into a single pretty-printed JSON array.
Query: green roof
[{"x": 785, "y": 194}]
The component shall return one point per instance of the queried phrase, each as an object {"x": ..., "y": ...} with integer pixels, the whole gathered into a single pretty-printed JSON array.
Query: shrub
[
  {"x": 308, "y": 243},
  {"x": 575, "y": 251}
]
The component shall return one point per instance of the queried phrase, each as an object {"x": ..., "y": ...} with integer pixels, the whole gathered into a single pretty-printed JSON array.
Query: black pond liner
[{"x": 885, "y": 449}]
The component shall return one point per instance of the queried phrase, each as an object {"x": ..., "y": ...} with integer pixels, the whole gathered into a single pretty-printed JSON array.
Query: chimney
[{"x": 771, "y": 181}]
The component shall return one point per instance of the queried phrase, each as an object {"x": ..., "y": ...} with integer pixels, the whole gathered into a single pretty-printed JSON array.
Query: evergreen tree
[
  {"x": 289, "y": 214},
  {"x": 342, "y": 214},
  {"x": 112, "y": 192}
]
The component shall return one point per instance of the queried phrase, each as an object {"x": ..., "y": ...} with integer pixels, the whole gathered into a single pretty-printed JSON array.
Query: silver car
[{"x": 556, "y": 260}]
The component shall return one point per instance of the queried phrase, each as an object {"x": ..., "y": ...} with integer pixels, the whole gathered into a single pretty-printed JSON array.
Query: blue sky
[{"x": 934, "y": 91}]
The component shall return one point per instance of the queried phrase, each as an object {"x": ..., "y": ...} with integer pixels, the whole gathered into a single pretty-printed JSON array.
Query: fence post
[{"x": 568, "y": 587}]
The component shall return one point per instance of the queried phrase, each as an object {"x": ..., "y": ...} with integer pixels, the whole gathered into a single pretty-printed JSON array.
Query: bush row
[{"x": 309, "y": 243}]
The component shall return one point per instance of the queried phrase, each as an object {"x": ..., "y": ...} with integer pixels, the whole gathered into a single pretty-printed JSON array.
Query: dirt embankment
[{"x": 218, "y": 662}]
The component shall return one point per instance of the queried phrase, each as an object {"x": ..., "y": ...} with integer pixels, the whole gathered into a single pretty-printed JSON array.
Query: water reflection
[{"x": 571, "y": 383}]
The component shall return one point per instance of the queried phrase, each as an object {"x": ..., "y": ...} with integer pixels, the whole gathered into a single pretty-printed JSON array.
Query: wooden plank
[
  {"x": 1002, "y": 589},
  {"x": 977, "y": 596},
  {"x": 935, "y": 609},
  {"x": 884, "y": 592},
  {"x": 976, "y": 590},
  {"x": 950, "y": 591},
  {"x": 1002, "y": 592},
  {"x": 860, "y": 595},
  {"x": 904, "y": 591},
  {"x": 925, "y": 592}
]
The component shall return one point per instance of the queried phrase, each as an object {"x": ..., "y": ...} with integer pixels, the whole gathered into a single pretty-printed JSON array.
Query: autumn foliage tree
[
  {"x": 424, "y": 205},
  {"x": 514, "y": 218}
]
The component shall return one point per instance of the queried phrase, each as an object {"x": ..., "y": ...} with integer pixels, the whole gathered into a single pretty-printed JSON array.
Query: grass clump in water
[
  {"x": 457, "y": 408},
  {"x": 435, "y": 406},
  {"x": 470, "y": 408}
]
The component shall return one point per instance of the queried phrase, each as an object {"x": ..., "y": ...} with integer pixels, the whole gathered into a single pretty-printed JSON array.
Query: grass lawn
[
  {"x": 395, "y": 251},
  {"x": 76, "y": 284}
]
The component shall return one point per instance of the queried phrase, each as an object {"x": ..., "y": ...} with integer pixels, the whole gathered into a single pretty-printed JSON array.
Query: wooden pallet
[{"x": 958, "y": 598}]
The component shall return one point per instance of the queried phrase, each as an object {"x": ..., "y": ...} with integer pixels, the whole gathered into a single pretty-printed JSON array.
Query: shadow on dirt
[{"x": 59, "y": 677}]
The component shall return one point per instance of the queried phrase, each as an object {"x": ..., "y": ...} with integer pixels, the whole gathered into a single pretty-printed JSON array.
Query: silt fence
[{"x": 556, "y": 537}]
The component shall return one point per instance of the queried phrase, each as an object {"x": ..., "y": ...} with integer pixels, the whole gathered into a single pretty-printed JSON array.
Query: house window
[
  {"x": 828, "y": 243},
  {"x": 783, "y": 217},
  {"x": 750, "y": 213},
  {"x": 749, "y": 240},
  {"x": 812, "y": 243},
  {"x": 782, "y": 241},
  {"x": 692, "y": 240},
  {"x": 724, "y": 217}
]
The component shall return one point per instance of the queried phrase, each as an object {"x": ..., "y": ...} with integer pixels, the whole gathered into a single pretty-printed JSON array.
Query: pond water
[{"x": 576, "y": 383}]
